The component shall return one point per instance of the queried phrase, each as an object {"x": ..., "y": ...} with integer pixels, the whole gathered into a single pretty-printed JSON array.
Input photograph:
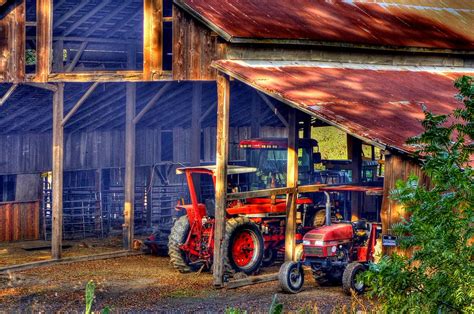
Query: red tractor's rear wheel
[
  {"x": 181, "y": 260},
  {"x": 243, "y": 246}
]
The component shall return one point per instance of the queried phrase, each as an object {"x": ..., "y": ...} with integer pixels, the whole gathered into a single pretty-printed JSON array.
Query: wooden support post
[
  {"x": 152, "y": 39},
  {"x": 13, "y": 41},
  {"x": 57, "y": 186},
  {"x": 256, "y": 116},
  {"x": 222, "y": 156},
  {"x": 195, "y": 147},
  {"x": 292, "y": 182},
  {"x": 44, "y": 42},
  {"x": 307, "y": 127},
  {"x": 58, "y": 56},
  {"x": 129, "y": 205},
  {"x": 354, "y": 151}
]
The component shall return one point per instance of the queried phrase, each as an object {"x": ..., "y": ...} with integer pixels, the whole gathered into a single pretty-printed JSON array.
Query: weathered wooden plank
[
  {"x": 152, "y": 39},
  {"x": 67, "y": 260},
  {"x": 252, "y": 280},
  {"x": 222, "y": 156},
  {"x": 130, "y": 136},
  {"x": 44, "y": 39},
  {"x": 58, "y": 167},
  {"x": 12, "y": 45}
]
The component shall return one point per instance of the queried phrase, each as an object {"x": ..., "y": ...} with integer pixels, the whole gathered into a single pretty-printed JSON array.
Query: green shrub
[{"x": 439, "y": 276}]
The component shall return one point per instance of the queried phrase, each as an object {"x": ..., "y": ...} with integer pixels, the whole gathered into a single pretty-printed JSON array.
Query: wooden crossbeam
[
  {"x": 84, "y": 18},
  {"x": 251, "y": 280},
  {"x": 273, "y": 108},
  {"x": 260, "y": 193},
  {"x": 8, "y": 94},
  {"x": 69, "y": 13},
  {"x": 76, "y": 58},
  {"x": 50, "y": 87},
  {"x": 208, "y": 111},
  {"x": 152, "y": 102},
  {"x": 107, "y": 18},
  {"x": 79, "y": 103}
]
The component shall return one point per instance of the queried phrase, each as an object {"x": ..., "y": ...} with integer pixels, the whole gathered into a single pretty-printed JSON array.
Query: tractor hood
[{"x": 335, "y": 232}]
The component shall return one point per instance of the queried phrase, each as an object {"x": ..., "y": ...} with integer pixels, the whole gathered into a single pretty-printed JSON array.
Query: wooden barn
[{"x": 101, "y": 101}]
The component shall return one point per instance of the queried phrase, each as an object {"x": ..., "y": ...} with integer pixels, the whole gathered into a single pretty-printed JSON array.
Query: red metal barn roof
[
  {"x": 380, "y": 104},
  {"x": 446, "y": 24}
]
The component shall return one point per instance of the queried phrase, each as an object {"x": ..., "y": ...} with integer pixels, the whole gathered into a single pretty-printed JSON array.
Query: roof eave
[{"x": 292, "y": 104}]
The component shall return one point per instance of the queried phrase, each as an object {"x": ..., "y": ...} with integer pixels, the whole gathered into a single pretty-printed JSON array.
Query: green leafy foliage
[
  {"x": 90, "y": 295},
  {"x": 275, "y": 307},
  {"x": 439, "y": 275}
]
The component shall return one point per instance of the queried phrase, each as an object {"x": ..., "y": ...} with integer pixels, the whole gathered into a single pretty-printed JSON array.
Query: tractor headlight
[
  {"x": 306, "y": 242},
  {"x": 334, "y": 249},
  {"x": 319, "y": 243}
]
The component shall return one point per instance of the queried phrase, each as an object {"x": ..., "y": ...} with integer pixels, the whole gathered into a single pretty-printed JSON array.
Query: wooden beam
[
  {"x": 104, "y": 76},
  {"x": 260, "y": 193},
  {"x": 222, "y": 158},
  {"x": 208, "y": 111},
  {"x": 8, "y": 94},
  {"x": 58, "y": 56},
  {"x": 273, "y": 108},
  {"x": 57, "y": 185},
  {"x": 77, "y": 56},
  {"x": 292, "y": 182},
  {"x": 354, "y": 151},
  {"x": 67, "y": 260},
  {"x": 152, "y": 39},
  {"x": 69, "y": 13},
  {"x": 196, "y": 125},
  {"x": 16, "y": 42},
  {"x": 252, "y": 280},
  {"x": 51, "y": 87},
  {"x": 79, "y": 103},
  {"x": 85, "y": 17},
  {"x": 129, "y": 204},
  {"x": 44, "y": 39},
  {"x": 256, "y": 116},
  {"x": 152, "y": 102},
  {"x": 107, "y": 18}
]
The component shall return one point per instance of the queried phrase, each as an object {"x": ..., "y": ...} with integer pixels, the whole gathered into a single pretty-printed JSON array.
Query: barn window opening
[{"x": 7, "y": 188}]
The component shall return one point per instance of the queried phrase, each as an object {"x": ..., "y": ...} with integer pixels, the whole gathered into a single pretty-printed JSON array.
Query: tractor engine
[{"x": 331, "y": 242}]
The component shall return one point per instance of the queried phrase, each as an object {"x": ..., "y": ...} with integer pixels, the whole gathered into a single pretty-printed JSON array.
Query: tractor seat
[{"x": 361, "y": 225}]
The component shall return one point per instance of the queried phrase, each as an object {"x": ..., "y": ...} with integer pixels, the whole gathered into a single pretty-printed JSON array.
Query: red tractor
[
  {"x": 336, "y": 253},
  {"x": 255, "y": 227}
]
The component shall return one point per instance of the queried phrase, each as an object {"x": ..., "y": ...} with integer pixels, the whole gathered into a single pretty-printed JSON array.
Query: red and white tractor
[
  {"x": 255, "y": 227},
  {"x": 336, "y": 253}
]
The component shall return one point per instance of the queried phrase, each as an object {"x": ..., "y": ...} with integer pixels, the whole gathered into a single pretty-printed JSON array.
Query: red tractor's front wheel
[
  {"x": 243, "y": 245},
  {"x": 182, "y": 261}
]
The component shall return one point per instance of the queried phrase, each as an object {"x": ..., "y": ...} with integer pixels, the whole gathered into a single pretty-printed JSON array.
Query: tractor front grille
[{"x": 313, "y": 250}]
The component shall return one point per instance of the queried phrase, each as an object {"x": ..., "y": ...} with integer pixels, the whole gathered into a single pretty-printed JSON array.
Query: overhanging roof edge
[{"x": 311, "y": 113}]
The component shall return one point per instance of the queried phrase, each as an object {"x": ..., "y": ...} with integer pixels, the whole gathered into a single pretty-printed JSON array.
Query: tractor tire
[
  {"x": 269, "y": 257},
  {"x": 349, "y": 278},
  {"x": 291, "y": 277},
  {"x": 178, "y": 235},
  {"x": 242, "y": 233}
]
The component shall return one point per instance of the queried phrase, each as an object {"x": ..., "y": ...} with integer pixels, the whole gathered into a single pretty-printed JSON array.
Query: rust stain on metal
[
  {"x": 383, "y": 106},
  {"x": 398, "y": 23}
]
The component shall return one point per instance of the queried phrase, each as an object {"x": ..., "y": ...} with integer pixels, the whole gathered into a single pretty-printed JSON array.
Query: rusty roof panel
[
  {"x": 444, "y": 24},
  {"x": 378, "y": 104}
]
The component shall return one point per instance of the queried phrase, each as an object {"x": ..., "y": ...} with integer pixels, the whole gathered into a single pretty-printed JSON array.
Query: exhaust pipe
[{"x": 328, "y": 208}]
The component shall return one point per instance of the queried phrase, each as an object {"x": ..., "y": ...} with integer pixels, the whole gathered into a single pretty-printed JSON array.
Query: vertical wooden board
[
  {"x": 44, "y": 36},
  {"x": 8, "y": 222},
  {"x": 152, "y": 39},
  {"x": 222, "y": 158},
  {"x": 178, "y": 44}
]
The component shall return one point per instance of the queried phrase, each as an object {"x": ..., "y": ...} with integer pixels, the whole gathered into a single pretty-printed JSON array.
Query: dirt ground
[
  {"x": 148, "y": 283},
  {"x": 14, "y": 253}
]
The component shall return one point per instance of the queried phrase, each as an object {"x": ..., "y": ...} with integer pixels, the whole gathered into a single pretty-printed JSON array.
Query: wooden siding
[
  {"x": 12, "y": 45},
  {"x": 19, "y": 221},
  {"x": 31, "y": 153},
  {"x": 397, "y": 168},
  {"x": 194, "y": 48}
]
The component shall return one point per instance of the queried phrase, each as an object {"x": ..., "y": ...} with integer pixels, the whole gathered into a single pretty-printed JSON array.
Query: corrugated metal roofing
[
  {"x": 380, "y": 104},
  {"x": 446, "y": 24}
]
